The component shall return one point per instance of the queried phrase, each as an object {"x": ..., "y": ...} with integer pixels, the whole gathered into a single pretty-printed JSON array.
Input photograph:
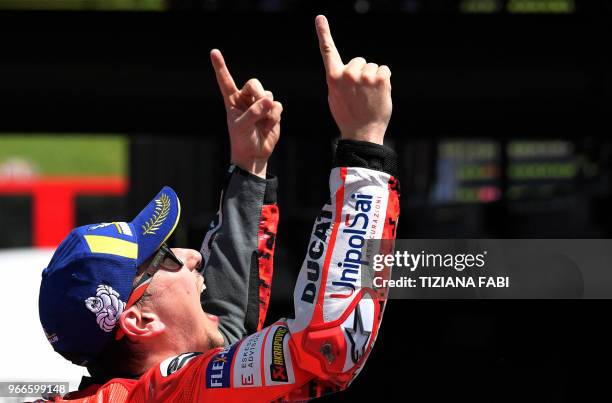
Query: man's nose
[{"x": 193, "y": 260}]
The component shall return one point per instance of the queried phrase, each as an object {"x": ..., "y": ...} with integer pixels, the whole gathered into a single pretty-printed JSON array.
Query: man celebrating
[{"x": 115, "y": 293}]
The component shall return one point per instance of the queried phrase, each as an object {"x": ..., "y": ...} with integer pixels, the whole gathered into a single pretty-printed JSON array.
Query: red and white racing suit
[{"x": 337, "y": 312}]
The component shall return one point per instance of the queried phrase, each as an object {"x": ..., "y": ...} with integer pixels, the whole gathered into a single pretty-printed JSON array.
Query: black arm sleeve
[{"x": 230, "y": 246}]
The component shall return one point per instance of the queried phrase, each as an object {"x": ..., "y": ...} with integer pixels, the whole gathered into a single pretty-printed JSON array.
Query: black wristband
[
  {"x": 363, "y": 154},
  {"x": 271, "y": 188}
]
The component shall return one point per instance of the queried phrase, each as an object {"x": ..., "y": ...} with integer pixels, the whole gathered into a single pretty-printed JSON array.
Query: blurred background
[{"x": 501, "y": 120}]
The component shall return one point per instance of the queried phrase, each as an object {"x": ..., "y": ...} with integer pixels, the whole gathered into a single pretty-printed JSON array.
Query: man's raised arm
[
  {"x": 337, "y": 311},
  {"x": 238, "y": 247}
]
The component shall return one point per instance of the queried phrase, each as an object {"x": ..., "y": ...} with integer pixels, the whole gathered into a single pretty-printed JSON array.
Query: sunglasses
[{"x": 164, "y": 259}]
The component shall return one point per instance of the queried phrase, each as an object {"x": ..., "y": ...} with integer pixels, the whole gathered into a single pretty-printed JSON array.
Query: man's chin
[
  {"x": 215, "y": 340},
  {"x": 218, "y": 340}
]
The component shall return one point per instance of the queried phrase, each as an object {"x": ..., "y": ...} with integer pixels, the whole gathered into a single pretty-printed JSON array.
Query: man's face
[{"x": 174, "y": 297}]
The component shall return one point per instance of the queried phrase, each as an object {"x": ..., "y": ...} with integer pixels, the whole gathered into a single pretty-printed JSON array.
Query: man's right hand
[
  {"x": 253, "y": 119},
  {"x": 359, "y": 93}
]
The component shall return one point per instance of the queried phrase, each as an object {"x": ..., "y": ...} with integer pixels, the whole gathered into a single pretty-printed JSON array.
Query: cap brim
[{"x": 156, "y": 222}]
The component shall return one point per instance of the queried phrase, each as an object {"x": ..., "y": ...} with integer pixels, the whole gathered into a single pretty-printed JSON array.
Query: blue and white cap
[{"x": 89, "y": 279}]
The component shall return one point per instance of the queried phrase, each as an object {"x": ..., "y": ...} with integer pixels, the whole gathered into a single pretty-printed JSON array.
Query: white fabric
[{"x": 25, "y": 353}]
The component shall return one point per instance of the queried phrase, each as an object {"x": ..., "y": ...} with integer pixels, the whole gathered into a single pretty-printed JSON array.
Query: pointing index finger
[
  {"x": 331, "y": 57},
  {"x": 224, "y": 78}
]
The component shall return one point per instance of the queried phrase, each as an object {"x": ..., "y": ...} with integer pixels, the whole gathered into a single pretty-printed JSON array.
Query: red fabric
[
  {"x": 268, "y": 225},
  {"x": 53, "y": 202},
  {"x": 116, "y": 390}
]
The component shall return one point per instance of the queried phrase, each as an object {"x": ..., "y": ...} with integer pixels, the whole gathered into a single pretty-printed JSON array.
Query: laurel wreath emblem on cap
[{"x": 162, "y": 208}]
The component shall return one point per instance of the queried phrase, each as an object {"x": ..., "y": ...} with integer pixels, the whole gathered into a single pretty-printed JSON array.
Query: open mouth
[{"x": 202, "y": 285}]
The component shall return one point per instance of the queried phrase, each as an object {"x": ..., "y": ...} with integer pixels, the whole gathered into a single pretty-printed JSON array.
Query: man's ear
[{"x": 138, "y": 324}]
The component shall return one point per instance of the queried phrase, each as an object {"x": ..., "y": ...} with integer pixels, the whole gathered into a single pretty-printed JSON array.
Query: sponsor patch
[
  {"x": 107, "y": 307},
  {"x": 354, "y": 234},
  {"x": 351, "y": 267},
  {"x": 173, "y": 364},
  {"x": 278, "y": 369},
  {"x": 357, "y": 330},
  {"x": 247, "y": 366},
  {"x": 219, "y": 368},
  {"x": 278, "y": 357},
  {"x": 309, "y": 279}
]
